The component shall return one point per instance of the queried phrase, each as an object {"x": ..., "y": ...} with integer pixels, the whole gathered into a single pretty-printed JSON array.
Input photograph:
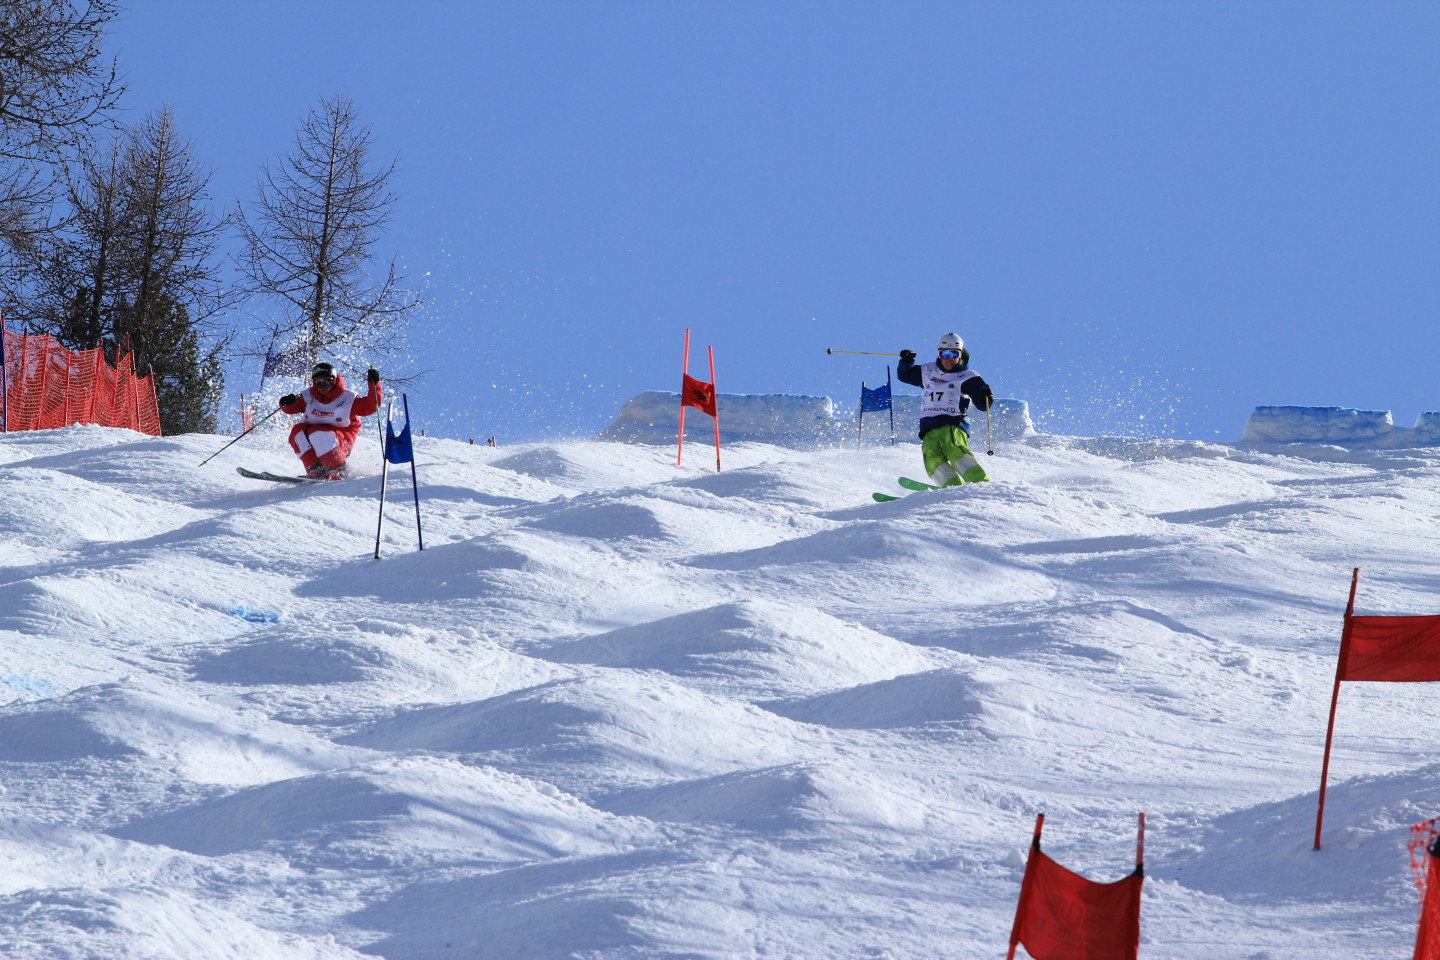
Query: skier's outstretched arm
[{"x": 908, "y": 371}]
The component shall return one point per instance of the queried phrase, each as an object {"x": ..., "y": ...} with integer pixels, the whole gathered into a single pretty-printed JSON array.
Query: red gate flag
[
  {"x": 1063, "y": 916},
  {"x": 1394, "y": 649},
  {"x": 1426, "y": 869},
  {"x": 701, "y": 396}
]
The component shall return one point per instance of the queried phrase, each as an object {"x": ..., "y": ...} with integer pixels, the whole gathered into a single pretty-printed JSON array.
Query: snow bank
[
  {"x": 787, "y": 420},
  {"x": 1340, "y": 426}
]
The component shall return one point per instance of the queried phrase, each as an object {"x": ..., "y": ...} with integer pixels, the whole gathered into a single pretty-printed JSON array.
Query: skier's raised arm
[{"x": 370, "y": 403}]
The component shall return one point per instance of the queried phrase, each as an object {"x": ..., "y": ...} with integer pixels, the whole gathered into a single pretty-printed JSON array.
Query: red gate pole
[
  {"x": 1334, "y": 699},
  {"x": 1025, "y": 887},
  {"x": 1140, "y": 846},
  {"x": 684, "y": 372},
  {"x": 716, "y": 394}
]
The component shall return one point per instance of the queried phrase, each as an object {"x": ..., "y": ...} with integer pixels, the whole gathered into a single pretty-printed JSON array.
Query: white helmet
[{"x": 950, "y": 342}]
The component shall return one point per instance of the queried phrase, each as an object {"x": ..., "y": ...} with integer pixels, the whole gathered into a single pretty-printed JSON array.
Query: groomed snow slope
[{"x": 623, "y": 709}]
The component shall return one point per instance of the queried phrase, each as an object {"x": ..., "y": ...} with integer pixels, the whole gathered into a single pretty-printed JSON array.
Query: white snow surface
[{"x": 620, "y": 708}]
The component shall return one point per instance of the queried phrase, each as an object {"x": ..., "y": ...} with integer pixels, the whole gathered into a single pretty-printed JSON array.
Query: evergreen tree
[{"x": 188, "y": 385}]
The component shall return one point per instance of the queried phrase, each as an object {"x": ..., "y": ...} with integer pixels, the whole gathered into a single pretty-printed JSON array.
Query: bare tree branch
[
  {"x": 310, "y": 238},
  {"x": 55, "y": 89}
]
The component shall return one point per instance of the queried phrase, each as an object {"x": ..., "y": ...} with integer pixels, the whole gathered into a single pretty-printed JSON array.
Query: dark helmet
[{"x": 323, "y": 369}]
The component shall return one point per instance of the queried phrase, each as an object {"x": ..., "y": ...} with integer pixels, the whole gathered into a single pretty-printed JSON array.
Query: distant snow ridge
[
  {"x": 1338, "y": 426},
  {"x": 789, "y": 420}
]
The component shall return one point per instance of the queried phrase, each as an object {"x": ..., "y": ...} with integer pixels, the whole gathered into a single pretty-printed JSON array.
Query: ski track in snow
[{"x": 623, "y": 709}]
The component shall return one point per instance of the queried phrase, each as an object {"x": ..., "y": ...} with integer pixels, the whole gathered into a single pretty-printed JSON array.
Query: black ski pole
[{"x": 238, "y": 439}]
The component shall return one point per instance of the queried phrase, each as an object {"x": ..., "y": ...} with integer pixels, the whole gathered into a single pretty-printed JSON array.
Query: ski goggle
[
  {"x": 949, "y": 354},
  {"x": 322, "y": 379}
]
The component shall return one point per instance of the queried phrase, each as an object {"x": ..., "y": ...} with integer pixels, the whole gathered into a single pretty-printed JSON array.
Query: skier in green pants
[{"x": 949, "y": 386}]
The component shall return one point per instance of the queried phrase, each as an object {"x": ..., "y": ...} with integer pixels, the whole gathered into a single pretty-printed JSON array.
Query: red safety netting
[{"x": 47, "y": 385}]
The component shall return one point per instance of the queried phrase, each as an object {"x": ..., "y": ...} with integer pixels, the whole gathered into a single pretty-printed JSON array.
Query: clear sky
[{"x": 1141, "y": 217}]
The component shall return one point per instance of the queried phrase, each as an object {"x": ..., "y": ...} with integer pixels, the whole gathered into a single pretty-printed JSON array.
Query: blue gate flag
[
  {"x": 398, "y": 449},
  {"x": 877, "y": 399},
  {"x": 294, "y": 362}
]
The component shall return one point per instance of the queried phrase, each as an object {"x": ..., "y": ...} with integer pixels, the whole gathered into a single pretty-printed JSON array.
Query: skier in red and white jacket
[{"x": 325, "y": 436}]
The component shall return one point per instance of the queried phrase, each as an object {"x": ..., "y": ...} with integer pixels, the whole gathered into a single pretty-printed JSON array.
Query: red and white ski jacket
[{"x": 338, "y": 409}]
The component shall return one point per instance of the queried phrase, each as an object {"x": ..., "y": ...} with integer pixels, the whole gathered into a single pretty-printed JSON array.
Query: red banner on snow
[
  {"x": 1063, "y": 916},
  {"x": 1387, "y": 649}
]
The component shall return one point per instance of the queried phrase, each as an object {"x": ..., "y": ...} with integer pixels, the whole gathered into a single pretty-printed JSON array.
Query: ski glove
[
  {"x": 983, "y": 401},
  {"x": 373, "y": 376},
  {"x": 289, "y": 398},
  {"x": 907, "y": 356}
]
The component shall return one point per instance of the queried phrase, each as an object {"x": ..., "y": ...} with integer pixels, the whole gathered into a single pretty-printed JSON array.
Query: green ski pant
[{"x": 947, "y": 457}]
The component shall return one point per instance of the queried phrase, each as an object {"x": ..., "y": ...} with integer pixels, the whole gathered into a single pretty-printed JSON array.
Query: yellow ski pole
[{"x": 989, "y": 447}]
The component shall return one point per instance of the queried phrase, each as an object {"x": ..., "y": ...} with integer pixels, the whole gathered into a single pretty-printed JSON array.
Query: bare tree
[
  {"x": 55, "y": 88},
  {"x": 311, "y": 233},
  {"x": 136, "y": 263},
  {"x": 80, "y": 270},
  {"x": 173, "y": 232},
  {"x": 172, "y": 287}
]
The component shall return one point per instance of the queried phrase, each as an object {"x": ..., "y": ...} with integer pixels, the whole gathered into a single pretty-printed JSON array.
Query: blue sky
[{"x": 1142, "y": 218}]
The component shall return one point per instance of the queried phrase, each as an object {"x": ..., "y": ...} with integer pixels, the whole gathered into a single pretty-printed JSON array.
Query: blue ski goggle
[{"x": 949, "y": 354}]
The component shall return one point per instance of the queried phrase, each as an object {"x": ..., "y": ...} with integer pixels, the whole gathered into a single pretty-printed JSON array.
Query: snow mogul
[
  {"x": 949, "y": 387},
  {"x": 324, "y": 438}
]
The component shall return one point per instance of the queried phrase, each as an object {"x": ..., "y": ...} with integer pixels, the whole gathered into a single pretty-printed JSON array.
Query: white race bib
[
  {"x": 941, "y": 395},
  {"x": 336, "y": 413}
]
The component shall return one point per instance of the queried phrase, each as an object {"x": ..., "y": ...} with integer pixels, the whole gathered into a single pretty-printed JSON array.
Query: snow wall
[
  {"x": 799, "y": 421},
  {"x": 654, "y": 417},
  {"x": 1337, "y": 426}
]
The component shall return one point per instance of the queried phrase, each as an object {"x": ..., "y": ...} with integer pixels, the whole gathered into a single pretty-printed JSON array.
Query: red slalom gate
[
  {"x": 46, "y": 385},
  {"x": 1063, "y": 916},
  {"x": 1386, "y": 649},
  {"x": 701, "y": 396}
]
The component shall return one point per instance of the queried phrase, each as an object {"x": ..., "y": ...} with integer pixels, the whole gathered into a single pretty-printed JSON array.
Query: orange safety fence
[{"x": 47, "y": 385}]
